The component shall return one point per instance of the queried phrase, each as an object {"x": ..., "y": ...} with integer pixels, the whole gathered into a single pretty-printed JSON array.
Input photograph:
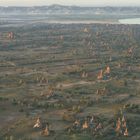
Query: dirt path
[{"x": 69, "y": 85}]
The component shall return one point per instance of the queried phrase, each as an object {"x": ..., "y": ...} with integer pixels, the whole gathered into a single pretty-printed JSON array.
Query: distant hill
[{"x": 60, "y": 9}]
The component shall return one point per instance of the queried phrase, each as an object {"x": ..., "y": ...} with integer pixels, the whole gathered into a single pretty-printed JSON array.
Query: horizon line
[{"x": 70, "y": 5}]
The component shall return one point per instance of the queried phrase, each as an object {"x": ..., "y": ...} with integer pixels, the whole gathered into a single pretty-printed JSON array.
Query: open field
[
  {"x": 52, "y": 71},
  {"x": 33, "y": 19}
]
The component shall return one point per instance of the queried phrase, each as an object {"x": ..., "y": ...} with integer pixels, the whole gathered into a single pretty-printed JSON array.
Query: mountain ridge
[{"x": 62, "y": 9}]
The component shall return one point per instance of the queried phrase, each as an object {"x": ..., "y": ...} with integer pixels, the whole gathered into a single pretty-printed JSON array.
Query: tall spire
[{"x": 100, "y": 75}]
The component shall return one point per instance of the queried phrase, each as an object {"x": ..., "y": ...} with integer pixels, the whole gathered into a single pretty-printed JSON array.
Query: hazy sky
[{"x": 70, "y": 2}]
